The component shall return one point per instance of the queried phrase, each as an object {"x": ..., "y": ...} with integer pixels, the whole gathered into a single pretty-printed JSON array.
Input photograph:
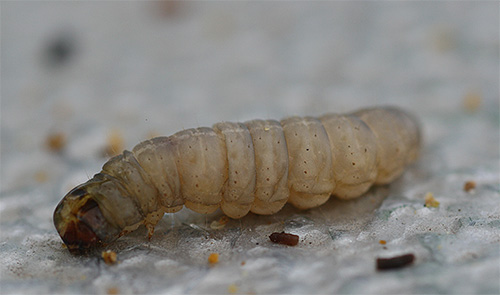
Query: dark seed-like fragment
[
  {"x": 284, "y": 238},
  {"x": 395, "y": 262}
]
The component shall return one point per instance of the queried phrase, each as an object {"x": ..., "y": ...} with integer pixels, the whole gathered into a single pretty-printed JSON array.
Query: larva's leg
[
  {"x": 310, "y": 171},
  {"x": 397, "y": 140},
  {"x": 202, "y": 165},
  {"x": 152, "y": 220},
  {"x": 238, "y": 193},
  {"x": 271, "y": 162},
  {"x": 354, "y": 151}
]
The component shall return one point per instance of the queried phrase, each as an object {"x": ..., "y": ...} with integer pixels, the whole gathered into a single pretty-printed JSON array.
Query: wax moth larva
[{"x": 255, "y": 166}]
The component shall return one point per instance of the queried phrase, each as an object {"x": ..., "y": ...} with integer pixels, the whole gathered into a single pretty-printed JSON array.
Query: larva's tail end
[{"x": 79, "y": 221}]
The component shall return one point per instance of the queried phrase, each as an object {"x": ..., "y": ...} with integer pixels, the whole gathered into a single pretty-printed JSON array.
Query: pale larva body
[{"x": 256, "y": 166}]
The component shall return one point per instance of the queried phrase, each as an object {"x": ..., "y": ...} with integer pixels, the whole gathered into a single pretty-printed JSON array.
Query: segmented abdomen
[{"x": 260, "y": 165}]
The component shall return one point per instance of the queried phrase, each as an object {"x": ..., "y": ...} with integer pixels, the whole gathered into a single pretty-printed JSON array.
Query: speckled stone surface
[{"x": 88, "y": 71}]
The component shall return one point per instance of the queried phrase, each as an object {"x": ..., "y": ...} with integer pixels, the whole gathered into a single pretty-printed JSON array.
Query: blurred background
[{"x": 81, "y": 81}]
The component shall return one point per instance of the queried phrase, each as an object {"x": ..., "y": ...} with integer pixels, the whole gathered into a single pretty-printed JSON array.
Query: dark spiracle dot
[{"x": 60, "y": 49}]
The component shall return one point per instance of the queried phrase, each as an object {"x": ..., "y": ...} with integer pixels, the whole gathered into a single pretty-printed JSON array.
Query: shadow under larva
[{"x": 255, "y": 166}]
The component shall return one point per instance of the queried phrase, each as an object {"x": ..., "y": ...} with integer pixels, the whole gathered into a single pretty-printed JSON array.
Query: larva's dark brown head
[{"x": 80, "y": 222}]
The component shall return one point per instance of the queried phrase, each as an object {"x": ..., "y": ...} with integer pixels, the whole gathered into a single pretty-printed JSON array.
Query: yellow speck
[
  {"x": 382, "y": 242},
  {"x": 41, "y": 176},
  {"x": 443, "y": 39},
  {"x": 430, "y": 201},
  {"x": 469, "y": 185},
  {"x": 109, "y": 257},
  {"x": 266, "y": 128},
  {"x": 213, "y": 258},
  {"x": 472, "y": 101},
  {"x": 56, "y": 141},
  {"x": 113, "y": 291},
  {"x": 232, "y": 288}
]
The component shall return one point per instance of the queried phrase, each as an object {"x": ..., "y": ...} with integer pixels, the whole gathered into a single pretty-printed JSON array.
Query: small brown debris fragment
[
  {"x": 232, "y": 289},
  {"x": 430, "y": 201},
  {"x": 213, "y": 258},
  {"x": 41, "y": 176},
  {"x": 115, "y": 144},
  {"x": 223, "y": 219},
  {"x": 472, "y": 101},
  {"x": 443, "y": 39},
  {"x": 56, "y": 142},
  {"x": 113, "y": 291},
  {"x": 469, "y": 185},
  {"x": 395, "y": 262},
  {"x": 168, "y": 8},
  {"x": 109, "y": 257},
  {"x": 284, "y": 238},
  {"x": 382, "y": 242}
]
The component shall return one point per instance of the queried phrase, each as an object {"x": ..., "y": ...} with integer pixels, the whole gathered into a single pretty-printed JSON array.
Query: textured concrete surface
[{"x": 96, "y": 73}]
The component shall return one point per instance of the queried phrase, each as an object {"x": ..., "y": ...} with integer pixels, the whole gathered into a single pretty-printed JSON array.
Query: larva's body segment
[
  {"x": 202, "y": 164},
  {"x": 310, "y": 174},
  {"x": 132, "y": 176},
  {"x": 238, "y": 192},
  {"x": 353, "y": 148},
  {"x": 397, "y": 137},
  {"x": 254, "y": 166},
  {"x": 271, "y": 164},
  {"x": 158, "y": 158}
]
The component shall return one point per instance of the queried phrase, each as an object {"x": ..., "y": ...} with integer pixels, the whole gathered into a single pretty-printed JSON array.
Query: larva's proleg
[{"x": 254, "y": 166}]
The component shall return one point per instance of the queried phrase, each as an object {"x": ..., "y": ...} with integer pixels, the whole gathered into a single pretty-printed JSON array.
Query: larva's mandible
[{"x": 254, "y": 166}]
